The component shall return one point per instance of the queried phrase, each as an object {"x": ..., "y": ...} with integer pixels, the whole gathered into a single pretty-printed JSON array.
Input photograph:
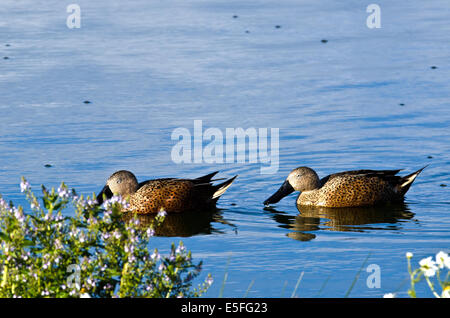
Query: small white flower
[
  {"x": 162, "y": 213},
  {"x": 409, "y": 255},
  {"x": 35, "y": 206},
  {"x": 180, "y": 249},
  {"x": 389, "y": 295},
  {"x": 63, "y": 193},
  {"x": 428, "y": 267},
  {"x": 18, "y": 215},
  {"x": 108, "y": 204},
  {"x": 155, "y": 256},
  {"x": 85, "y": 295},
  {"x": 48, "y": 217},
  {"x": 442, "y": 260},
  {"x": 150, "y": 232},
  {"x": 3, "y": 203},
  {"x": 24, "y": 186}
]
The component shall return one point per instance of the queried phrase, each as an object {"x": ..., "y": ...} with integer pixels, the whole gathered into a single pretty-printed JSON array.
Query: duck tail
[
  {"x": 221, "y": 188},
  {"x": 407, "y": 181},
  {"x": 206, "y": 178}
]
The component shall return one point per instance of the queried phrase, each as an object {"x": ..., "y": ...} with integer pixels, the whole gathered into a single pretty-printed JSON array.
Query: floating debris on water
[
  {"x": 402, "y": 104},
  {"x": 434, "y": 67},
  {"x": 6, "y": 58},
  {"x": 235, "y": 16},
  {"x": 324, "y": 41},
  {"x": 277, "y": 26},
  {"x": 430, "y": 157},
  {"x": 87, "y": 102},
  {"x": 443, "y": 185},
  {"x": 47, "y": 165}
]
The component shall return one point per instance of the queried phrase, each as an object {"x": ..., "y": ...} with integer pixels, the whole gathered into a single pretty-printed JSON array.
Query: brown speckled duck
[
  {"x": 345, "y": 189},
  {"x": 169, "y": 194}
]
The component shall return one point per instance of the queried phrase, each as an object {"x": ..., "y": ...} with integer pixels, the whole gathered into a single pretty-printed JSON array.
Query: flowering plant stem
[{"x": 95, "y": 253}]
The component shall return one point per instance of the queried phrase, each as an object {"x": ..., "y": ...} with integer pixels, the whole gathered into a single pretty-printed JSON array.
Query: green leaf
[
  {"x": 27, "y": 243},
  {"x": 4, "y": 237}
]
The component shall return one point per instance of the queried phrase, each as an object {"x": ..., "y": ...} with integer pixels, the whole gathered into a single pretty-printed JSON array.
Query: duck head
[
  {"x": 300, "y": 179},
  {"x": 123, "y": 183}
]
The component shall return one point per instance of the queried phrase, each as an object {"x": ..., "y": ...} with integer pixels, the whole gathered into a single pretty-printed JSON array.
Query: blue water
[{"x": 367, "y": 98}]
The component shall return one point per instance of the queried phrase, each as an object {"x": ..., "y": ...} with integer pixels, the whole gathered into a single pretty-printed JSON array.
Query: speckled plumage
[
  {"x": 345, "y": 189},
  {"x": 170, "y": 194}
]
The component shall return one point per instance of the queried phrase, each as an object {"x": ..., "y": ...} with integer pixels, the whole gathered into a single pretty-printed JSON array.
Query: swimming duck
[
  {"x": 168, "y": 194},
  {"x": 345, "y": 189}
]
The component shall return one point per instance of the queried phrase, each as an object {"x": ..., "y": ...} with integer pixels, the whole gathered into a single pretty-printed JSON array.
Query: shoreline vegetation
[
  {"x": 96, "y": 254},
  {"x": 44, "y": 253}
]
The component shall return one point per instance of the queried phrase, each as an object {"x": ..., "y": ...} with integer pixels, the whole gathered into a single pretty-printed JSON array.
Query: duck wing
[
  {"x": 399, "y": 183},
  {"x": 200, "y": 180},
  {"x": 386, "y": 175}
]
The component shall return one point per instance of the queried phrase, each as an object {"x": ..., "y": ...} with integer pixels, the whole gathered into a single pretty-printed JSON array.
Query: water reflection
[
  {"x": 340, "y": 219},
  {"x": 184, "y": 224}
]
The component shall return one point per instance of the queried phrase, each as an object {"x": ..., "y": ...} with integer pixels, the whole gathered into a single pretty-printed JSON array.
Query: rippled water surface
[{"x": 365, "y": 99}]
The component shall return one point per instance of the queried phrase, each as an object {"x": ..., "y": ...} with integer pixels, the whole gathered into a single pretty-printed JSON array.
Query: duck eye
[{"x": 119, "y": 180}]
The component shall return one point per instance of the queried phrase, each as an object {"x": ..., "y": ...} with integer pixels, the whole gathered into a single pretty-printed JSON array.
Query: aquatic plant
[
  {"x": 46, "y": 253},
  {"x": 433, "y": 272}
]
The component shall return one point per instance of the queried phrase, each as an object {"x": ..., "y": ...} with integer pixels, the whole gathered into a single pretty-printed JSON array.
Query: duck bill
[
  {"x": 104, "y": 193},
  {"x": 283, "y": 191}
]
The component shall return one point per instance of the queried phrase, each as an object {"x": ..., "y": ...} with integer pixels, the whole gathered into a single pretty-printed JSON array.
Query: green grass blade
[
  {"x": 298, "y": 284},
  {"x": 356, "y": 277},
  {"x": 248, "y": 289},
  {"x": 284, "y": 288},
  {"x": 323, "y": 286},
  {"x": 225, "y": 276}
]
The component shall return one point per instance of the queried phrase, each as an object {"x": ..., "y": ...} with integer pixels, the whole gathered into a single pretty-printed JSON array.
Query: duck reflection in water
[
  {"x": 355, "y": 219},
  {"x": 182, "y": 224}
]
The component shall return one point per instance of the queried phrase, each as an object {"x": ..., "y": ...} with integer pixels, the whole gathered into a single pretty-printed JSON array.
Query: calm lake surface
[{"x": 365, "y": 99}]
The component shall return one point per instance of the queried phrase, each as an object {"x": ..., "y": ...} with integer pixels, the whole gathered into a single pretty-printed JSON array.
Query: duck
[
  {"x": 356, "y": 188},
  {"x": 171, "y": 195}
]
